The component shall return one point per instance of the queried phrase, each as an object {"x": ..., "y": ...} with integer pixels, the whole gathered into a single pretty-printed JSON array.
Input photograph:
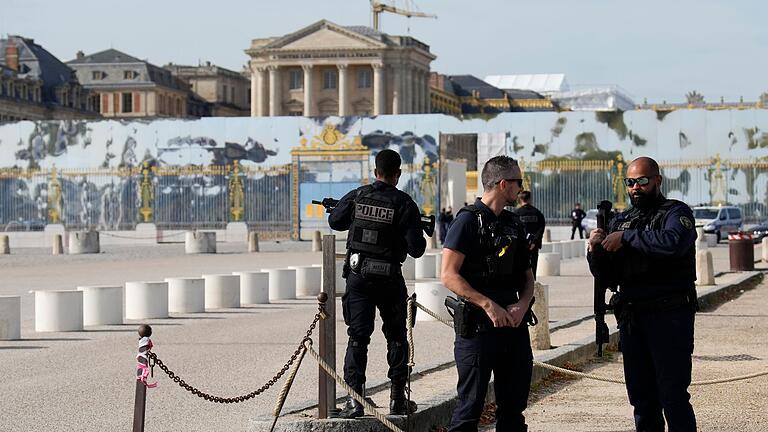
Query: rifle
[
  {"x": 328, "y": 203},
  {"x": 428, "y": 224},
  {"x": 601, "y": 282}
]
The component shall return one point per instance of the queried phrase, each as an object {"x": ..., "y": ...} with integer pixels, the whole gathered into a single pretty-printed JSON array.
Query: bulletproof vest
[
  {"x": 499, "y": 241},
  {"x": 374, "y": 220},
  {"x": 636, "y": 266}
]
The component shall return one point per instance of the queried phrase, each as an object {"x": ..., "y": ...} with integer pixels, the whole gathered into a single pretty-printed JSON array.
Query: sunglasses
[
  {"x": 510, "y": 180},
  {"x": 640, "y": 181}
]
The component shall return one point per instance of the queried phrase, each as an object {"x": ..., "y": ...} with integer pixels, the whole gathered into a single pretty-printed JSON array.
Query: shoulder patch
[{"x": 687, "y": 223}]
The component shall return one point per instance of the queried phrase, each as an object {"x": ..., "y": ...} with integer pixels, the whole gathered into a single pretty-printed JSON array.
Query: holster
[{"x": 464, "y": 313}]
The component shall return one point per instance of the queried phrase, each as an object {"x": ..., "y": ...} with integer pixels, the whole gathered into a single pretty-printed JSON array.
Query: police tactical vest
[
  {"x": 499, "y": 242},
  {"x": 636, "y": 266},
  {"x": 373, "y": 229}
]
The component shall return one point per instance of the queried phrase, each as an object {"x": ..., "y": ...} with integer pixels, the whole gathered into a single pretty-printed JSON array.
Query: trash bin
[{"x": 741, "y": 250}]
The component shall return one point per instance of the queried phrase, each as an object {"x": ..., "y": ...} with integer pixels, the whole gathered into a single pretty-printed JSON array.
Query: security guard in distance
[
  {"x": 649, "y": 253},
  {"x": 384, "y": 225}
]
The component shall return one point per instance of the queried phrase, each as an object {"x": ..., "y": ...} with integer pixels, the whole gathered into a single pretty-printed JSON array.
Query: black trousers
[
  {"x": 657, "y": 350},
  {"x": 534, "y": 261},
  {"x": 577, "y": 227},
  {"x": 507, "y": 353},
  {"x": 359, "y": 302}
]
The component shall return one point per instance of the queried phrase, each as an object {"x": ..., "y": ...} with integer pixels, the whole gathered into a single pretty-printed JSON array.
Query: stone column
[
  {"x": 275, "y": 98},
  {"x": 261, "y": 92},
  {"x": 308, "y": 110},
  {"x": 409, "y": 99},
  {"x": 428, "y": 96},
  {"x": 379, "y": 97},
  {"x": 343, "y": 102},
  {"x": 420, "y": 92},
  {"x": 397, "y": 91},
  {"x": 254, "y": 93}
]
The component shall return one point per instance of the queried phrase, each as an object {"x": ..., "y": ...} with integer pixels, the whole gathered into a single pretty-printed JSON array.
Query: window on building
[
  {"x": 129, "y": 74},
  {"x": 295, "y": 79},
  {"x": 127, "y": 102},
  {"x": 95, "y": 103},
  {"x": 232, "y": 95},
  {"x": 364, "y": 79},
  {"x": 224, "y": 93},
  {"x": 296, "y": 113},
  {"x": 98, "y": 75},
  {"x": 329, "y": 79}
]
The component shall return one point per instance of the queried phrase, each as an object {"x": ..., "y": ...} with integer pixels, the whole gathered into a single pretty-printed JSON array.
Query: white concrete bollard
[
  {"x": 10, "y": 317},
  {"x": 546, "y": 248},
  {"x": 317, "y": 242},
  {"x": 341, "y": 283},
  {"x": 5, "y": 245},
  {"x": 58, "y": 311},
  {"x": 146, "y": 300},
  {"x": 565, "y": 250},
  {"x": 549, "y": 264},
  {"x": 705, "y": 270},
  {"x": 197, "y": 242},
  {"x": 425, "y": 267},
  {"x": 540, "y": 338},
  {"x": 711, "y": 240},
  {"x": 557, "y": 247},
  {"x": 431, "y": 295},
  {"x": 308, "y": 280},
  {"x": 102, "y": 304},
  {"x": 701, "y": 244},
  {"x": 253, "y": 241},
  {"x": 186, "y": 294},
  {"x": 547, "y": 238},
  {"x": 84, "y": 242},
  {"x": 409, "y": 268},
  {"x": 438, "y": 264},
  {"x": 282, "y": 283},
  {"x": 58, "y": 245},
  {"x": 222, "y": 291},
  {"x": 254, "y": 287},
  {"x": 764, "y": 244}
]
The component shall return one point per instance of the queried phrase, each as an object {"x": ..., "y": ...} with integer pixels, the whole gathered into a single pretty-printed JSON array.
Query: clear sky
[{"x": 652, "y": 48}]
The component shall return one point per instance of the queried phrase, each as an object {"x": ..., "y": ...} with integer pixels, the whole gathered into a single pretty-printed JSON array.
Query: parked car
[
  {"x": 590, "y": 221},
  {"x": 759, "y": 232},
  {"x": 718, "y": 220}
]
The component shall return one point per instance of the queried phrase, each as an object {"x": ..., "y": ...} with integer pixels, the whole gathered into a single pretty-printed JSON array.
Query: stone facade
[
  {"x": 226, "y": 92},
  {"x": 125, "y": 87},
  {"x": 35, "y": 85},
  {"x": 326, "y": 69}
]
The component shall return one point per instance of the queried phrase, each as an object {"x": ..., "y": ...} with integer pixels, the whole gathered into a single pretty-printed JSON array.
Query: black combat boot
[
  {"x": 398, "y": 404},
  {"x": 352, "y": 408}
]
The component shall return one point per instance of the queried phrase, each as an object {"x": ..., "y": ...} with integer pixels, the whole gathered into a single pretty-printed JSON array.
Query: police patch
[
  {"x": 374, "y": 213},
  {"x": 686, "y": 222}
]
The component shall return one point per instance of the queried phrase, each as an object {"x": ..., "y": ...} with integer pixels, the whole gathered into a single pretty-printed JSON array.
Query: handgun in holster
[{"x": 461, "y": 311}]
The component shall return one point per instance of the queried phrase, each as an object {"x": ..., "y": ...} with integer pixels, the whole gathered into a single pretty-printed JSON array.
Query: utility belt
[
  {"x": 470, "y": 320},
  {"x": 626, "y": 310},
  {"x": 370, "y": 268}
]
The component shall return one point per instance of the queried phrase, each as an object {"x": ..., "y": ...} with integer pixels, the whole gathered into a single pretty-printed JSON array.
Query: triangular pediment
[{"x": 326, "y": 35}]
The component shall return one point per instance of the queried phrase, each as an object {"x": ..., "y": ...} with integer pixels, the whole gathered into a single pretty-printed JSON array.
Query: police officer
[
  {"x": 577, "y": 215},
  {"x": 649, "y": 253},
  {"x": 486, "y": 262},
  {"x": 384, "y": 224},
  {"x": 534, "y": 223}
]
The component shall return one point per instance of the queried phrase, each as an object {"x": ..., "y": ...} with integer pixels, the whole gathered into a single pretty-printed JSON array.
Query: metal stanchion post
[
  {"x": 140, "y": 401},
  {"x": 327, "y": 386}
]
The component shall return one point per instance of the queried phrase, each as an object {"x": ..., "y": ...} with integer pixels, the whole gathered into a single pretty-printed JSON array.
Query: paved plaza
[{"x": 84, "y": 380}]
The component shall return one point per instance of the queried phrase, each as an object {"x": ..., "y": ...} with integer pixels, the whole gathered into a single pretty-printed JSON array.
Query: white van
[{"x": 718, "y": 220}]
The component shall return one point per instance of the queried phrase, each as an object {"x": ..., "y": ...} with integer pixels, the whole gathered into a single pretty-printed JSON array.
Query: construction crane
[{"x": 377, "y": 8}]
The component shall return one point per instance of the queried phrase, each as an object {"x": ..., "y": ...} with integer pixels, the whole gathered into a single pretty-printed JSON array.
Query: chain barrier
[
  {"x": 370, "y": 409},
  {"x": 599, "y": 377},
  {"x": 155, "y": 237},
  {"x": 306, "y": 341}
]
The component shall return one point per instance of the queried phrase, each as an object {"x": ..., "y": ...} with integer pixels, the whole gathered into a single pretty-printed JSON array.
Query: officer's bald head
[
  {"x": 644, "y": 165},
  {"x": 644, "y": 195}
]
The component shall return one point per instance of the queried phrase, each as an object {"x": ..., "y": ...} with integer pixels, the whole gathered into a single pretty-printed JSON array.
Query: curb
[{"x": 434, "y": 412}]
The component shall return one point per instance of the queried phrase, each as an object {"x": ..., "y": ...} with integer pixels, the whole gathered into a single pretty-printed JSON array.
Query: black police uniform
[
  {"x": 655, "y": 270},
  {"x": 577, "y": 215},
  {"x": 504, "y": 351},
  {"x": 534, "y": 223},
  {"x": 384, "y": 224}
]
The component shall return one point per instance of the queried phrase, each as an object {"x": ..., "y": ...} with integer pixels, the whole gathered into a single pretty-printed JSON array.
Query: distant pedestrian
[{"x": 577, "y": 215}]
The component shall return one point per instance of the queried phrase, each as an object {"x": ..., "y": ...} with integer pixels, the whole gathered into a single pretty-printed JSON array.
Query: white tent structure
[{"x": 556, "y": 87}]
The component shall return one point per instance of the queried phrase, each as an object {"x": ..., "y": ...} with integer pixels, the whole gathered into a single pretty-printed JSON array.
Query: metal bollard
[
  {"x": 140, "y": 400},
  {"x": 741, "y": 251},
  {"x": 253, "y": 241}
]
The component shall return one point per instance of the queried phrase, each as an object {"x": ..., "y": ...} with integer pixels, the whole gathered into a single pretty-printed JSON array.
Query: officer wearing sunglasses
[{"x": 649, "y": 253}]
